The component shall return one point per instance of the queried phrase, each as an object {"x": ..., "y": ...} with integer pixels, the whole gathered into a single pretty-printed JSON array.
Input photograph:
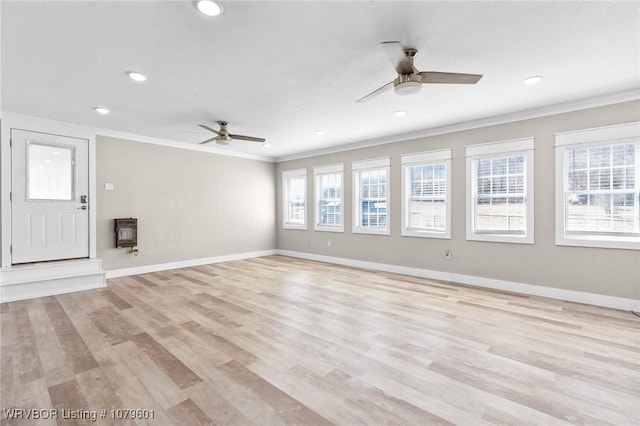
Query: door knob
[{"x": 82, "y": 208}]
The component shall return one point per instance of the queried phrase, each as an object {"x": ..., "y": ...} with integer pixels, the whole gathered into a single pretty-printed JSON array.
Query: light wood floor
[{"x": 277, "y": 340}]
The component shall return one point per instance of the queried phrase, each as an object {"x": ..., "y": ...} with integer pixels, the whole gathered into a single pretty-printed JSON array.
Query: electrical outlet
[
  {"x": 108, "y": 186},
  {"x": 329, "y": 243},
  {"x": 447, "y": 255}
]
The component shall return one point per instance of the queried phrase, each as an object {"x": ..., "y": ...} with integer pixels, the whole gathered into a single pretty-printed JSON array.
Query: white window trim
[
  {"x": 425, "y": 158},
  {"x": 516, "y": 146},
  {"x": 289, "y": 174},
  {"x": 317, "y": 173},
  {"x": 628, "y": 132},
  {"x": 356, "y": 167}
]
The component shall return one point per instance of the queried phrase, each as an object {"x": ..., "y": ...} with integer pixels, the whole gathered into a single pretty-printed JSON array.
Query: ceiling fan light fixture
[
  {"x": 223, "y": 141},
  {"x": 209, "y": 8},
  {"x": 407, "y": 88}
]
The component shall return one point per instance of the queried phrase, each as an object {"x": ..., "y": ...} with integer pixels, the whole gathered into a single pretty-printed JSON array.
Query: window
[
  {"x": 597, "y": 178},
  {"x": 426, "y": 193},
  {"x": 50, "y": 172},
  {"x": 371, "y": 196},
  {"x": 294, "y": 189},
  {"x": 329, "y": 199},
  {"x": 500, "y": 191}
]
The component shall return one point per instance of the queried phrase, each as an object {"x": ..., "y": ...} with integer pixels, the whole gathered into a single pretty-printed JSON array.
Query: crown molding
[
  {"x": 63, "y": 126},
  {"x": 609, "y": 99}
]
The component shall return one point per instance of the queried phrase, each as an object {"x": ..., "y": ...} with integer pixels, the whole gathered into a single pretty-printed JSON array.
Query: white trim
[
  {"x": 49, "y": 278},
  {"x": 524, "y": 146},
  {"x": 423, "y": 158},
  {"x": 12, "y": 121},
  {"x": 607, "y": 135},
  {"x": 357, "y": 168},
  {"x": 333, "y": 168},
  {"x": 426, "y": 157},
  {"x": 124, "y": 272},
  {"x": 318, "y": 172},
  {"x": 581, "y": 104},
  {"x": 501, "y": 147},
  {"x": 294, "y": 174},
  {"x": 515, "y": 287},
  {"x": 600, "y": 135},
  {"x": 371, "y": 164},
  {"x": 142, "y": 138}
]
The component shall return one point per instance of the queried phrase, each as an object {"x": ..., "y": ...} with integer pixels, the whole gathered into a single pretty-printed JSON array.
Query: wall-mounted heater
[{"x": 125, "y": 232}]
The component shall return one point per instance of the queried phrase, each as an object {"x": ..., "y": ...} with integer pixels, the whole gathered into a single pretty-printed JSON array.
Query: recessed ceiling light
[
  {"x": 400, "y": 113},
  {"x": 320, "y": 132},
  {"x": 209, "y": 8},
  {"x": 101, "y": 110},
  {"x": 137, "y": 76},
  {"x": 535, "y": 79}
]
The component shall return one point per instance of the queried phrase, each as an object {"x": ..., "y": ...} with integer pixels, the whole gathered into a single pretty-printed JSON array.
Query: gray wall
[
  {"x": 189, "y": 204},
  {"x": 601, "y": 271}
]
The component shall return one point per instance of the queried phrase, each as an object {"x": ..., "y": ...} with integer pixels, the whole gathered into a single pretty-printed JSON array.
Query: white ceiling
[{"x": 282, "y": 70}]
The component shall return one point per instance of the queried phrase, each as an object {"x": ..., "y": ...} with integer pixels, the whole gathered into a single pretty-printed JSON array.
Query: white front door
[{"x": 50, "y": 197}]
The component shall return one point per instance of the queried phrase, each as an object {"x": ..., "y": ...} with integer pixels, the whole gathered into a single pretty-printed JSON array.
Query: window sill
[
  {"x": 371, "y": 231},
  {"x": 629, "y": 243},
  {"x": 497, "y": 238},
  {"x": 328, "y": 228},
  {"x": 426, "y": 234},
  {"x": 295, "y": 227}
]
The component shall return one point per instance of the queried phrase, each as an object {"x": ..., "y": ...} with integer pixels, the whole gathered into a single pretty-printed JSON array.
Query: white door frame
[{"x": 16, "y": 121}]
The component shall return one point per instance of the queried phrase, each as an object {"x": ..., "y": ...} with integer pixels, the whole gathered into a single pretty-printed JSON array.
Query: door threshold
[{"x": 47, "y": 278}]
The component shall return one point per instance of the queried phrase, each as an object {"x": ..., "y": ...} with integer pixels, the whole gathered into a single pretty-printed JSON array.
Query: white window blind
[
  {"x": 601, "y": 189},
  {"x": 329, "y": 198},
  {"x": 499, "y": 194},
  {"x": 426, "y": 194},
  {"x": 294, "y": 188},
  {"x": 371, "y": 196},
  {"x": 500, "y": 191},
  {"x": 598, "y": 173}
]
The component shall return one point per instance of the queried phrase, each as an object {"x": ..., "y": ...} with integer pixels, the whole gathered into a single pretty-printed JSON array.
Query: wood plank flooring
[{"x": 277, "y": 340}]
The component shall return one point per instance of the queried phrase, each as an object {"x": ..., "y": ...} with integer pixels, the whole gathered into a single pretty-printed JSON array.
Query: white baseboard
[
  {"x": 115, "y": 273},
  {"x": 47, "y": 279},
  {"x": 529, "y": 289}
]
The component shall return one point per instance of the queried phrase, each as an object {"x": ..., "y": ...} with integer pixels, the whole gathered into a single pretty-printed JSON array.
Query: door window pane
[{"x": 50, "y": 172}]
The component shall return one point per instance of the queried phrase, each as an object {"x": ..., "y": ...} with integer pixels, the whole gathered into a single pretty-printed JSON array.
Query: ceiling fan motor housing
[{"x": 407, "y": 84}]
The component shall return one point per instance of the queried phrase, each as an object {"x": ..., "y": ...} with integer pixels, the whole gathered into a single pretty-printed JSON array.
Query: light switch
[{"x": 108, "y": 186}]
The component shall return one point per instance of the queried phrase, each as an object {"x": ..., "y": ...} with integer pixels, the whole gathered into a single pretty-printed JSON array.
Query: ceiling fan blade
[
  {"x": 394, "y": 52},
  {"x": 247, "y": 138},
  {"x": 207, "y": 141},
  {"x": 209, "y": 129},
  {"x": 449, "y": 78},
  {"x": 375, "y": 92}
]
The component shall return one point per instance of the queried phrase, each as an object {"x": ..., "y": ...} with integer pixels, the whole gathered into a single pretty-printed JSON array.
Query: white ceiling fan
[
  {"x": 409, "y": 79},
  {"x": 224, "y": 137}
]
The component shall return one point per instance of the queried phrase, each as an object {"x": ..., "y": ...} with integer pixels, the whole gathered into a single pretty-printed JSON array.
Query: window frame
[
  {"x": 524, "y": 146},
  {"x": 424, "y": 159},
  {"x": 588, "y": 138},
  {"x": 293, "y": 174},
  {"x": 318, "y": 173},
  {"x": 357, "y": 167}
]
